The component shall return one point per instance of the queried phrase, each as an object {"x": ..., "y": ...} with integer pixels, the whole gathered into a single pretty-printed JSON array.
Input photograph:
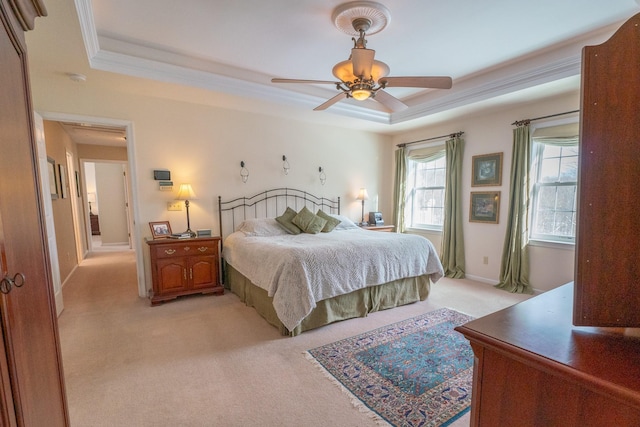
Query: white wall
[
  {"x": 203, "y": 145},
  {"x": 490, "y": 132}
]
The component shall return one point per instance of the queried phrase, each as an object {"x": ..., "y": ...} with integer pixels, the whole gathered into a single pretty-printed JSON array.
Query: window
[
  {"x": 554, "y": 195},
  {"x": 426, "y": 177}
]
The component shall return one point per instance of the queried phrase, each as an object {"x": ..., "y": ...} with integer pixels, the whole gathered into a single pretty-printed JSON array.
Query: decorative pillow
[
  {"x": 261, "y": 227},
  {"x": 308, "y": 221},
  {"x": 331, "y": 221},
  {"x": 286, "y": 220},
  {"x": 345, "y": 223}
]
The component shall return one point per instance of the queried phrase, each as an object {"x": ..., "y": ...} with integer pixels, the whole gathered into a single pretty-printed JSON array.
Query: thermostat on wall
[
  {"x": 166, "y": 185},
  {"x": 162, "y": 175}
]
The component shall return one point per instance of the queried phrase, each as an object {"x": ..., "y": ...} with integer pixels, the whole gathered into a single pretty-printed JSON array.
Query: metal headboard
[{"x": 269, "y": 204}]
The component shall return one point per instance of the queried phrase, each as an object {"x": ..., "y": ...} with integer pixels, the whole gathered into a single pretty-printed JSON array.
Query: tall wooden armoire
[
  {"x": 31, "y": 378},
  {"x": 607, "y": 267}
]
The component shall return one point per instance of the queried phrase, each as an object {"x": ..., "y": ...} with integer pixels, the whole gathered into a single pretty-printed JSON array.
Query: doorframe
[{"x": 133, "y": 180}]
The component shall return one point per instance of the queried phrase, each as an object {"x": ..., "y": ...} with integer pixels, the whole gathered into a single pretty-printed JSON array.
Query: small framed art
[
  {"x": 63, "y": 181},
  {"x": 160, "y": 229},
  {"x": 485, "y": 206},
  {"x": 487, "y": 170},
  {"x": 53, "y": 178}
]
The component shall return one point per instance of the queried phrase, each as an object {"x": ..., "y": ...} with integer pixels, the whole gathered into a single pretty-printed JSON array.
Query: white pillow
[
  {"x": 345, "y": 223},
  {"x": 261, "y": 227}
]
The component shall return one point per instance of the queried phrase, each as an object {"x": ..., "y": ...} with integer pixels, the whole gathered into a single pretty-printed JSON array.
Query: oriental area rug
[{"x": 417, "y": 372}]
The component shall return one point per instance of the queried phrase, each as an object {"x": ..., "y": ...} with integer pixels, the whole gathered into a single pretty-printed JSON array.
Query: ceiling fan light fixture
[
  {"x": 361, "y": 94},
  {"x": 379, "y": 70},
  {"x": 344, "y": 71}
]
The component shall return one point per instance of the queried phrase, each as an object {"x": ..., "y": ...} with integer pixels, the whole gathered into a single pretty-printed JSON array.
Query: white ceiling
[
  {"x": 490, "y": 48},
  {"x": 83, "y": 133}
]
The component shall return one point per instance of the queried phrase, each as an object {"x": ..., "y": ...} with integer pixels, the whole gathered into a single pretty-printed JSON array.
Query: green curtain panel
[
  {"x": 452, "y": 251},
  {"x": 514, "y": 269},
  {"x": 399, "y": 189}
]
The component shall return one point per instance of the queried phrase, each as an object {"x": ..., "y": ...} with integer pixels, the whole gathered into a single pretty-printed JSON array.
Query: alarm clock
[{"x": 375, "y": 218}]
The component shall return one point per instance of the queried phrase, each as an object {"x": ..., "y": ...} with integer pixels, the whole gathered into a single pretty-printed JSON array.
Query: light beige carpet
[{"x": 209, "y": 360}]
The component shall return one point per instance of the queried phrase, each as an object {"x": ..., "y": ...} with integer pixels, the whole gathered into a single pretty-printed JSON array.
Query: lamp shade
[
  {"x": 363, "y": 195},
  {"x": 345, "y": 72},
  {"x": 185, "y": 192}
]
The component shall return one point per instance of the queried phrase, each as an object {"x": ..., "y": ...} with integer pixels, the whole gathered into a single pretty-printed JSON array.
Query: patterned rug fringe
[{"x": 357, "y": 403}]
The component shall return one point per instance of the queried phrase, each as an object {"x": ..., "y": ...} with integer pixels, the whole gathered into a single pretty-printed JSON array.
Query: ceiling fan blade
[
  {"x": 362, "y": 62},
  {"x": 330, "y": 102},
  {"x": 439, "y": 82},
  {"x": 389, "y": 101},
  {"x": 303, "y": 81}
]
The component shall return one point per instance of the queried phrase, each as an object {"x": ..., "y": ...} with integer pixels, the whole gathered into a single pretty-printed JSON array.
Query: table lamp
[
  {"x": 363, "y": 195},
  {"x": 185, "y": 193}
]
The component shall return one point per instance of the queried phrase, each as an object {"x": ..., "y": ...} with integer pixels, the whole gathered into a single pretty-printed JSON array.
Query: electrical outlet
[
  {"x": 174, "y": 206},
  {"x": 485, "y": 260}
]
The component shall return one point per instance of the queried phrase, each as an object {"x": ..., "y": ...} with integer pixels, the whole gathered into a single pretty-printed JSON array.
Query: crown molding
[
  {"x": 118, "y": 56},
  {"x": 87, "y": 27},
  {"x": 480, "y": 89}
]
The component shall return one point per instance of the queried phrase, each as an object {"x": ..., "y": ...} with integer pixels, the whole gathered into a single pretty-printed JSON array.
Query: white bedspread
[{"x": 298, "y": 270}]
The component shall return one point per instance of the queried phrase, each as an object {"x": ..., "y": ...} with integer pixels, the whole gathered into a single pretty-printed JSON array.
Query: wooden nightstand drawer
[
  {"x": 185, "y": 248},
  {"x": 183, "y": 267}
]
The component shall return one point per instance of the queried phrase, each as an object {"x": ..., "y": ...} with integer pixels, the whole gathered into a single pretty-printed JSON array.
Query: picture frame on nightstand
[{"x": 160, "y": 229}]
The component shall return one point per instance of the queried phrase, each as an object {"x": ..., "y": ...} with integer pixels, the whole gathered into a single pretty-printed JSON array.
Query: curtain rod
[
  {"x": 527, "y": 121},
  {"x": 453, "y": 135}
]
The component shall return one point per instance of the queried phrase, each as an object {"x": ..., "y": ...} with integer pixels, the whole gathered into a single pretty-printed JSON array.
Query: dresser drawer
[
  {"x": 185, "y": 249},
  {"x": 184, "y": 267}
]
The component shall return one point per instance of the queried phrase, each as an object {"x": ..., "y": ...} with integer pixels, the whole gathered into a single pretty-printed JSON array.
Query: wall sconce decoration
[
  {"x": 363, "y": 195},
  {"x": 285, "y": 165},
  {"x": 186, "y": 193},
  {"x": 323, "y": 176},
  {"x": 244, "y": 172}
]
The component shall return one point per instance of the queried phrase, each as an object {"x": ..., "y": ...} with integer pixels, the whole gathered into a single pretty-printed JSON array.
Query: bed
[{"x": 299, "y": 282}]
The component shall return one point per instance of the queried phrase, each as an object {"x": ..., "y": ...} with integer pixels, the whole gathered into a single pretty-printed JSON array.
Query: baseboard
[
  {"x": 59, "y": 303},
  {"x": 68, "y": 276},
  {"x": 116, "y": 244},
  {"x": 481, "y": 279},
  {"x": 494, "y": 282}
]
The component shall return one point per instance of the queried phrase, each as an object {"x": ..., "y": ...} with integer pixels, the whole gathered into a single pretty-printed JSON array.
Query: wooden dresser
[
  {"x": 95, "y": 224},
  {"x": 184, "y": 266},
  {"x": 534, "y": 368}
]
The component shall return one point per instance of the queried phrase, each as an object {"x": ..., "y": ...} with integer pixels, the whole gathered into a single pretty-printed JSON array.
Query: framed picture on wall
[
  {"x": 487, "y": 170},
  {"x": 63, "y": 181},
  {"x": 53, "y": 181},
  {"x": 485, "y": 206},
  {"x": 160, "y": 229},
  {"x": 78, "y": 185}
]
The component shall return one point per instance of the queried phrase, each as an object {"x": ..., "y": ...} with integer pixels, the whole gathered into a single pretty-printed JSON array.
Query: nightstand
[
  {"x": 183, "y": 267},
  {"x": 385, "y": 228}
]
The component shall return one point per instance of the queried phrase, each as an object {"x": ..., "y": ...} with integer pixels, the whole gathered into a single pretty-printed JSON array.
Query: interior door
[{"x": 32, "y": 389}]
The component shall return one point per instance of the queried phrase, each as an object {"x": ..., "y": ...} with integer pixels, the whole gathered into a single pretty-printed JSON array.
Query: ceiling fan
[{"x": 361, "y": 76}]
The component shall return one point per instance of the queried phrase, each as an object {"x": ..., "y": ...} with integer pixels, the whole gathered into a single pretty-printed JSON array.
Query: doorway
[
  {"x": 94, "y": 128},
  {"x": 106, "y": 186}
]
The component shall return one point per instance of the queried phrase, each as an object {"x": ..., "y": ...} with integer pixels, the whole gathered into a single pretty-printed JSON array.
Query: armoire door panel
[{"x": 28, "y": 316}]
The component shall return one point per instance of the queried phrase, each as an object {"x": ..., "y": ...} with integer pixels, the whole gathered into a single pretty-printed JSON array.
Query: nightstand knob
[{"x": 169, "y": 251}]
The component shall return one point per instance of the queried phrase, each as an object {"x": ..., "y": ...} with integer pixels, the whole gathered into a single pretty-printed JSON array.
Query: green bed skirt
[{"x": 355, "y": 304}]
